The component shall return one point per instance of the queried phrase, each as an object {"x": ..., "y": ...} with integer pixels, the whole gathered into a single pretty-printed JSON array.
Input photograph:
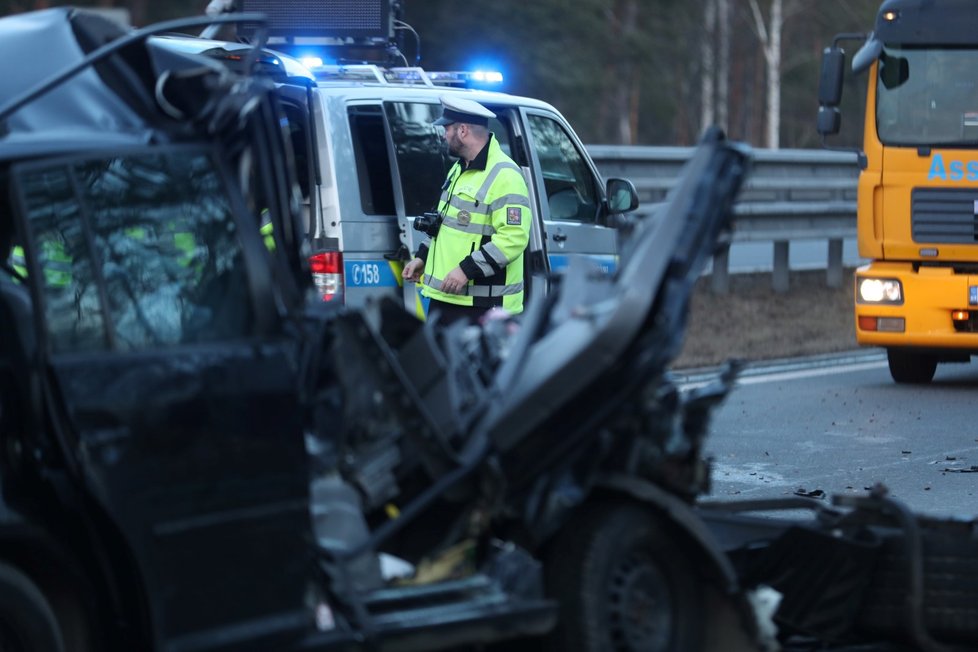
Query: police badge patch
[
  {"x": 464, "y": 217},
  {"x": 514, "y": 215}
]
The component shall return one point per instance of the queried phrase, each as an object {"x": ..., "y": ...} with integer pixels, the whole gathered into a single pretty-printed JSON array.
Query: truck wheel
[
  {"x": 27, "y": 622},
  {"x": 622, "y": 585},
  {"x": 911, "y": 367}
]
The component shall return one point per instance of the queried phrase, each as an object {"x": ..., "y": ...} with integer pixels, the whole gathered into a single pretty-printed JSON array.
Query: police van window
[
  {"x": 373, "y": 163},
  {"x": 422, "y": 156},
  {"x": 144, "y": 254},
  {"x": 500, "y": 130},
  {"x": 300, "y": 149},
  {"x": 570, "y": 186}
]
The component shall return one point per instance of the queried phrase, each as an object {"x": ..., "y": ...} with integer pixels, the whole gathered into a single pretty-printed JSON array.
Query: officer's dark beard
[{"x": 455, "y": 146}]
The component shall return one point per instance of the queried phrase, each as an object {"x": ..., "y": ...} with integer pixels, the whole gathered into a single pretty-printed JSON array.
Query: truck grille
[{"x": 943, "y": 215}]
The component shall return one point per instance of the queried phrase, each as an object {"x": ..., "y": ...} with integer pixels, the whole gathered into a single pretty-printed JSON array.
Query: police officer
[{"x": 475, "y": 260}]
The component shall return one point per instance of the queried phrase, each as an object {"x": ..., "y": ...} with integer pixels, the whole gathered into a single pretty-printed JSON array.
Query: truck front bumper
[{"x": 938, "y": 309}]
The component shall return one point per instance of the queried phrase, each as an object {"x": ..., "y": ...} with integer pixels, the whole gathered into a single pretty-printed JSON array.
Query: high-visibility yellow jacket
[
  {"x": 486, "y": 217},
  {"x": 57, "y": 265}
]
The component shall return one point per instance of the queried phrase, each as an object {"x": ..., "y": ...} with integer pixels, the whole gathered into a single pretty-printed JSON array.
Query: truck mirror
[
  {"x": 622, "y": 197},
  {"x": 830, "y": 82},
  {"x": 829, "y": 120}
]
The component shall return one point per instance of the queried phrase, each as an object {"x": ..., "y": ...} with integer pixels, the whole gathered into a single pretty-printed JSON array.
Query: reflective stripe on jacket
[
  {"x": 485, "y": 229},
  {"x": 55, "y": 262}
]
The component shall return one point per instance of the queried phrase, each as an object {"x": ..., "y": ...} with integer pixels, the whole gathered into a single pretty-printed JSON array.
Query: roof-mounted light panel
[{"x": 323, "y": 21}]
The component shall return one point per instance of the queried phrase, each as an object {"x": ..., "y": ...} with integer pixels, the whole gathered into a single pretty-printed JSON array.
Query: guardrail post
[
  {"x": 833, "y": 273},
  {"x": 720, "y": 278},
  {"x": 779, "y": 281}
]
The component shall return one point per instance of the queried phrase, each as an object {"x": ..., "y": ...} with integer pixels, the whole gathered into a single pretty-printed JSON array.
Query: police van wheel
[
  {"x": 622, "y": 584},
  {"x": 27, "y": 621},
  {"x": 911, "y": 367}
]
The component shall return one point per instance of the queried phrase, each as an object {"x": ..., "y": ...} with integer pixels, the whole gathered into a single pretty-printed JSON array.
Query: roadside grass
[{"x": 752, "y": 322}]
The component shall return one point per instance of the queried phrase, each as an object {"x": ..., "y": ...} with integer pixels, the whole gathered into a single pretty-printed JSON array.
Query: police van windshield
[{"x": 927, "y": 96}]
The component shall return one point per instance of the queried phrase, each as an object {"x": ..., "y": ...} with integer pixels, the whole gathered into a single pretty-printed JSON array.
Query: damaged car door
[{"x": 178, "y": 408}]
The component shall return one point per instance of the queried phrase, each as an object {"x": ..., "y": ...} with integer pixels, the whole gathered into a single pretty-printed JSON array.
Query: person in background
[{"x": 473, "y": 262}]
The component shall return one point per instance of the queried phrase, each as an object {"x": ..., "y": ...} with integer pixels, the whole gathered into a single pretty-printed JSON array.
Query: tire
[
  {"x": 27, "y": 621},
  {"x": 910, "y": 367},
  {"x": 622, "y": 585}
]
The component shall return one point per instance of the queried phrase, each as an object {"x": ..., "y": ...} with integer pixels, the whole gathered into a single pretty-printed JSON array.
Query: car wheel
[
  {"x": 27, "y": 622},
  {"x": 623, "y": 585},
  {"x": 911, "y": 367}
]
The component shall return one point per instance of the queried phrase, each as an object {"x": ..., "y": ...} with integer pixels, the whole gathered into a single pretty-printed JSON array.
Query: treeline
[
  {"x": 626, "y": 71},
  {"x": 637, "y": 71}
]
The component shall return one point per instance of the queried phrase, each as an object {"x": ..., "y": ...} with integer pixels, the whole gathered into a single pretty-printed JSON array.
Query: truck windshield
[{"x": 927, "y": 96}]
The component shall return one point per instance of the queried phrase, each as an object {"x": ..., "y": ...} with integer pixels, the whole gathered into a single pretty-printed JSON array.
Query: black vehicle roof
[
  {"x": 928, "y": 22},
  {"x": 45, "y": 43},
  {"x": 107, "y": 104}
]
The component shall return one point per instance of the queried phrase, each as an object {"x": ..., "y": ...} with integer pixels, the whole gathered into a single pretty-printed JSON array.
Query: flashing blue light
[
  {"x": 488, "y": 76},
  {"x": 311, "y": 62}
]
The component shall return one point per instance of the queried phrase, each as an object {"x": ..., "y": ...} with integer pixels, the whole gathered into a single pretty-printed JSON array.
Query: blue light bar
[
  {"x": 488, "y": 76},
  {"x": 467, "y": 78}
]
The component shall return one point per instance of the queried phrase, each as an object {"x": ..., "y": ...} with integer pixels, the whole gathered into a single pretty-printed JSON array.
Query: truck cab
[{"x": 918, "y": 188}]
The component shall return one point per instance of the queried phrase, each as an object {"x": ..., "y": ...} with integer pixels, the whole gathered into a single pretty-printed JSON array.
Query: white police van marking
[
  {"x": 559, "y": 262},
  {"x": 369, "y": 274}
]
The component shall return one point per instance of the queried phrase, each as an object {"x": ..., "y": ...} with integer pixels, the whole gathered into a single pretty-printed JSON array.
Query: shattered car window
[{"x": 136, "y": 252}]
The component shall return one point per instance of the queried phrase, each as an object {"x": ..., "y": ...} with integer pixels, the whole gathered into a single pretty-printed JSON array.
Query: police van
[{"x": 371, "y": 161}]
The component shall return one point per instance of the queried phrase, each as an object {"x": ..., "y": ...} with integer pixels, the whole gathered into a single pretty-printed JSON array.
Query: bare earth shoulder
[{"x": 753, "y": 322}]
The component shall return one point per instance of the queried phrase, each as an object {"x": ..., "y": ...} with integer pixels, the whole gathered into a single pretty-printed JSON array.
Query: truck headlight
[{"x": 879, "y": 290}]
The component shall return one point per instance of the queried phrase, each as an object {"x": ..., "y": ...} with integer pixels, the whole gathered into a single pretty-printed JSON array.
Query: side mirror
[
  {"x": 621, "y": 194},
  {"x": 830, "y": 81},
  {"x": 829, "y": 120}
]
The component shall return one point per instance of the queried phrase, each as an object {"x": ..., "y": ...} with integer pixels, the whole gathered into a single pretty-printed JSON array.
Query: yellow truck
[{"x": 918, "y": 185}]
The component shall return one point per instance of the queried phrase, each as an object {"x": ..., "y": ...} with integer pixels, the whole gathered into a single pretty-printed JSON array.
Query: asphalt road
[{"x": 838, "y": 425}]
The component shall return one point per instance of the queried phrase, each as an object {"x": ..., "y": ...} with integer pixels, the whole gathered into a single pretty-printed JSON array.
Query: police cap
[{"x": 458, "y": 109}]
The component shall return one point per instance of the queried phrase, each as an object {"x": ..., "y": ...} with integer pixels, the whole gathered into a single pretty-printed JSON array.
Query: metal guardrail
[{"x": 791, "y": 194}]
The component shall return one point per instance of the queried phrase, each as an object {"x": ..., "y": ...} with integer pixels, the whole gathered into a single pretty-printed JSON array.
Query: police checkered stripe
[
  {"x": 471, "y": 227},
  {"x": 508, "y": 200},
  {"x": 477, "y": 290},
  {"x": 491, "y": 178}
]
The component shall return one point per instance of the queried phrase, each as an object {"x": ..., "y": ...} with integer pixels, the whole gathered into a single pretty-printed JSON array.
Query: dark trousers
[{"x": 449, "y": 313}]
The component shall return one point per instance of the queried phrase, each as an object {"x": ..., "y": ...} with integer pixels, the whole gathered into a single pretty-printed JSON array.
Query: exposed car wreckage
[{"x": 196, "y": 457}]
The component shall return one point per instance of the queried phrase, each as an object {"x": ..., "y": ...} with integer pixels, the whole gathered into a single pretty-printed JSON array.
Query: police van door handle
[
  {"x": 402, "y": 254},
  {"x": 560, "y": 237}
]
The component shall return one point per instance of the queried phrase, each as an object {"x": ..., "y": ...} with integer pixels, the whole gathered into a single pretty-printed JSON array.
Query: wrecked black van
[{"x": 194, "y": 457}]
